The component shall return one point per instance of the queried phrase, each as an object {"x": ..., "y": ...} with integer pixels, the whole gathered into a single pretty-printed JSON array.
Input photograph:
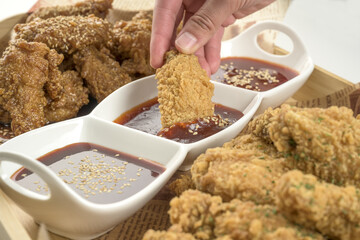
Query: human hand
[{"x": 204, "y": 23}]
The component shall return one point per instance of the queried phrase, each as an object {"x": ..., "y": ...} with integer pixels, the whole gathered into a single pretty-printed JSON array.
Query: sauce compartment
[{"x": 64, "y": 211}]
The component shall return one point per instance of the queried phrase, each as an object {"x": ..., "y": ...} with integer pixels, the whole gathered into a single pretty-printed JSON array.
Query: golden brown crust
[
  {"x": 332, "y": 210},
  {"x": 66, "y": 34},
  {"x": 99, "y": 8},
  {"x": 24, "y": 70},
  {"x": 132, "y": 43},
  {"x": 323, "y": 142},
  {"x": 185, "y": 90},
  {"x": 207, "y": 217},
  {"x": 233, "y": 173},
  {"x": 66, "y": 102},
  {"x": 101, "y": 72}
]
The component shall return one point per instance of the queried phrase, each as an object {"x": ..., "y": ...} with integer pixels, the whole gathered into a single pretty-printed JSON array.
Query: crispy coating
[
  {"x": 174, "y": 233},
  {"x": 181, "y": 184},
  {"x": 207, "y": 217},
  {"x": 99, "y": 8},
  {"x": 132, "y": 43},
  {"x": 32, "y": 89},
  {"x": 102, "y": 73},
  {"x": 323, "y": 142},
  {"x": 66, "y": 34},
  {"x": 234, "y": 173},
  {"x": 24, "y": 70},
  {"x": 185, "y": 90},
  {"x": 195, "y": 213},
  {"x": 330, "y": 209},
  {"x": 65, "y": 102},
  {"x": 253, "y": 143}
]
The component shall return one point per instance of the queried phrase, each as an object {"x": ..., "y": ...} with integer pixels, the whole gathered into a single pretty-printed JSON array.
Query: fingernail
[{"x": 186, "y": 42}]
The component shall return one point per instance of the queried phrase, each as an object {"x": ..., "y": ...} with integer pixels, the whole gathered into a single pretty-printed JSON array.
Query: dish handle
[
  {"x": 58, "y": 189},
  {"x": 246, "y": 43}
]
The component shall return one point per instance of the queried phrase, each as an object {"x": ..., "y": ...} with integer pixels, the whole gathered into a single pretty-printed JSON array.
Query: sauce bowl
[{"x": 67, "y": 213}]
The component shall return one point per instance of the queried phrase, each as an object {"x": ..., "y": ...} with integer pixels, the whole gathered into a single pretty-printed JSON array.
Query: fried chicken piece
[
  {"x": 233, "y": 173},
  {"x": 253, "y": 143},
  {"x": 102, "y": 74},
  {"x": 65, "y": 102},
  {"x": 246, "y": 220},
  {"x": 195, "y": 212},
  {"x": 24, "y": 70},
  {"x": 207, "y": 217},
  {"x": 99, "y": 8},
  {"x": 323, "y": 142},
  {"x": 181, "y": 184},
  {"x": 132, "y": 43},
  {"x": 330, "y": 209},
  {"x": 185, "y": 90},
  {"x": 66, "y": 34},
  {"x": 174, "y": 233}
]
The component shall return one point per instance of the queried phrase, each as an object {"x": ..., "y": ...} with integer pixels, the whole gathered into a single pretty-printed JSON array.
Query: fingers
[
  {"x": 200, "y": 53},
  {"x": 203, "y": 25},
  {"x": 212, "y": 50},
  {"x": 165, "y": 17}
]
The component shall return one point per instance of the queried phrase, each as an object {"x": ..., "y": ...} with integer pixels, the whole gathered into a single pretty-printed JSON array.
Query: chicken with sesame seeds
[
  {"x": 101, "y": 72},
  {"x": 241, "y": 174},
  {"x": 66, "y": 101},
  {"x": 99, "y": 8},
  {"x": 207, "y": 217},
  {"x": 323, "y": 142},
  {"x": 332, "y": 210},
  {"x": 132, "y": 44},
  {"x": 67, "y": 34},
  {"x": 185, "y": 90},
  {"x": 30, "y": 83}
]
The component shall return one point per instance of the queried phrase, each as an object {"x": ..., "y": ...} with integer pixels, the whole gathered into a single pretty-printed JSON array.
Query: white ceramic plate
[{"x": 69, "y": 214}]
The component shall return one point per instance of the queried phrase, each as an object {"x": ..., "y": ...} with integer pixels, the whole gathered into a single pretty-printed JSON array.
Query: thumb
[{"x": 203, "y": 24}]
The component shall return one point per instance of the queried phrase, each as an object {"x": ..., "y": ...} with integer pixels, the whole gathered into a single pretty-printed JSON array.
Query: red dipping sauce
[
  {"x": 97, "y": 173},
  {"x": 252, "y": 74},
  {"x": 146, "y": 117}
]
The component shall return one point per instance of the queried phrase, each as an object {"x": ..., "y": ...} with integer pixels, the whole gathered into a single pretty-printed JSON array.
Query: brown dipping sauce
[
  {"x": 146, "y": 117},
  {"x": 97, "y": 173},
  {"x": 252, "y": 74}
]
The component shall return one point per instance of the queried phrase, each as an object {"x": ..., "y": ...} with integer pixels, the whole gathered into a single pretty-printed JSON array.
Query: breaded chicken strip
[
  {"x": 24, "y": 70},
  {"x": 253, "y": 143},
  {"x": 207, "y": 217},
  {"x": 323, "y": 142},
  {"x": 330, "y": 209},
  {"x": 65, "y": 102},
  {"x": 185, "y": 90},
  {"x": 102, "y": 73},
  {"x": 233, "y": 173},
  {"x": 132, "y": 44},
  {"x": 99, "y": 8},
  {"x": 66, "y": 34}
]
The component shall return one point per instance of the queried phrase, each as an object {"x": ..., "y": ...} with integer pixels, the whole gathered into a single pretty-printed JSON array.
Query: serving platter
[{"x": 89, "y": 219}]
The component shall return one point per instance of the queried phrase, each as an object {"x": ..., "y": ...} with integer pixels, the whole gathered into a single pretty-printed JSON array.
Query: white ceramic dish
[{"x": 69, "y": 214}]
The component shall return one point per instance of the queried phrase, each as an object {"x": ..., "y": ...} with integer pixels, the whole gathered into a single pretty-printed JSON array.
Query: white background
[{"x": 329, "y": 28}]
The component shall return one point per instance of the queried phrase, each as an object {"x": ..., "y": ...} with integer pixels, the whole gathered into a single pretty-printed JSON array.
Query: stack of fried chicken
[
  {"x": 294, "y": 173},
  {"x": 61, "y": 55}
]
